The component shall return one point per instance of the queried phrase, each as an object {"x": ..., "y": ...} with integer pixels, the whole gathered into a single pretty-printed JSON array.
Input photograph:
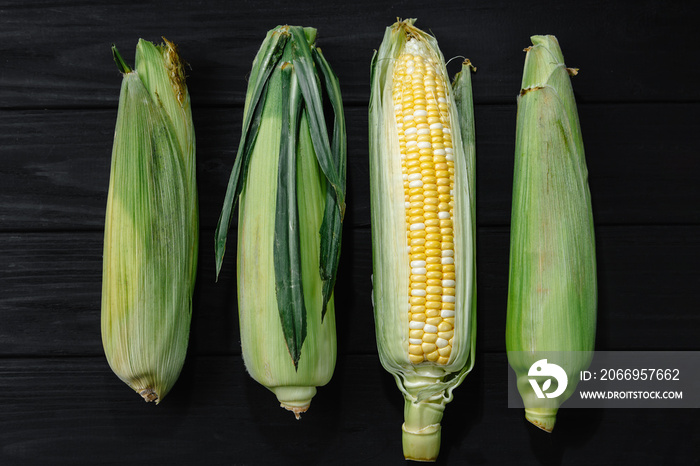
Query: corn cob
[
  {"x": 422, "y": 163},
  {"x": 151, "y": 226},
  {"x": 552, "y": 287},
  {"x": 290, "y": 178}
]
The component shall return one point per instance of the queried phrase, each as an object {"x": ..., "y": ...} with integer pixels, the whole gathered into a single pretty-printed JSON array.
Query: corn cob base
[{"x": 421, "y": 429}]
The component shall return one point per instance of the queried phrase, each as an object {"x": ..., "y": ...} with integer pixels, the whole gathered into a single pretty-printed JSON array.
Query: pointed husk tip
[
  {"x": 542, "y": 418},
  {"x": 294, "y": 399}
]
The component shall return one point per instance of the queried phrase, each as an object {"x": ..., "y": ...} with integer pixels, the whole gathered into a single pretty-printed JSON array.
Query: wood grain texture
[
  {"x": 60, "y": 404},
  {"x": 63, "y": 59},
  {"x": 648, "y": 280},
  {"x": 75, "y": 411},
  {"x": 641, "y": 158}
]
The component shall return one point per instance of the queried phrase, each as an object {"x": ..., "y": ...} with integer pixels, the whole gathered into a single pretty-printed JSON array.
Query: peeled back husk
[{"x": 427, "y": 387}]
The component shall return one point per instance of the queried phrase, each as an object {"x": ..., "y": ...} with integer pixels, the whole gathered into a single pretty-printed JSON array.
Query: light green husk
[
  {"x": 151, "y": 225},
  {"x": 426, "y": 387},
  {"x": 290, "y": 177},
  {"x": 552, "y": 291}
]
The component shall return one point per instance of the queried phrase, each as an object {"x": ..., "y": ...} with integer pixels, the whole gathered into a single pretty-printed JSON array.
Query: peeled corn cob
[
  {"x": 552, "y": 289},
  {"x": 151, "y": 226},
  {"x": 422, "y": 163},
  {"x": 291, "y": 183}
]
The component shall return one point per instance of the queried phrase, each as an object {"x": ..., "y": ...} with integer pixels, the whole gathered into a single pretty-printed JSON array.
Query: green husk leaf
[
  {"x": 310, "y": 88},
  {"x": 464, "y": 101},
  {"x": 121, "y": 64},
  {"x": 151, "y": 225},
  {"x": 290, "y": 297},
  {"x": 332, "y": 227},
  {"x": 462, "y": 86},
  {"x": 552, "y": 289},
  {"x": 552, "y": 295},
  {"x": 282, "y": 250},
  {"x": 265, "y": 62}
]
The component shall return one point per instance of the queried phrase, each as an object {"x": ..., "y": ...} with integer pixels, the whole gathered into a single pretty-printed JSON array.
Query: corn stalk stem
[{"x": 421, "y": 429}]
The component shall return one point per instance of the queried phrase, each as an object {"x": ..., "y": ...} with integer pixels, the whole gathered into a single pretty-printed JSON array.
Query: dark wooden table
[{"x": 639, "y": 101}]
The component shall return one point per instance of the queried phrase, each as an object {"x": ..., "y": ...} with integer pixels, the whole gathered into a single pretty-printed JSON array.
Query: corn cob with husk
[
  {"x": 151, "y": 227},
  {"x": 290, "y": 178},
  {"x": 422, "y": 163},
  {"x": 552, "y": 289}
]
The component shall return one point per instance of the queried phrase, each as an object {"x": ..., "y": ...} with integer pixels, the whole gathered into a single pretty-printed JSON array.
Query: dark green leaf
[
  {"x": 266, "y": 60},
  {"x": 339, "y": 144},
  {"x": 121, "y": 64},
  {"x": 331, "y": 237},
  {"x": 287, "y": 250},
  {"x": 331, "y": 228},
  {"x": 310, "y": 89}
]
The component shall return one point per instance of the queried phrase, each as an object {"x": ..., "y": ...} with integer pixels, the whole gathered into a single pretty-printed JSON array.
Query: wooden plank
[
  {"x": 646, "y": 283},
  {"x": 60, "y": 404},
  {"x": 50, "y": 305},
  {"x": 54, "y": 285},
  {"x": 65, "y": 59},
  {"x": 641, "y": 160},
  {"x": 55, "y": 171},
  {"x": 75, "y": 411}
]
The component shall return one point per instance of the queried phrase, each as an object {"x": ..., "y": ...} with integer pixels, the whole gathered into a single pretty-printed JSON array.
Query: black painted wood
[
  {"x": 50, "y": 305},
  {"x": 59, "y": 402},
  {"x": 642, "y": 164},
  {"x": 627, "y": 49},
  {"x": 70, "y": 411}
]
